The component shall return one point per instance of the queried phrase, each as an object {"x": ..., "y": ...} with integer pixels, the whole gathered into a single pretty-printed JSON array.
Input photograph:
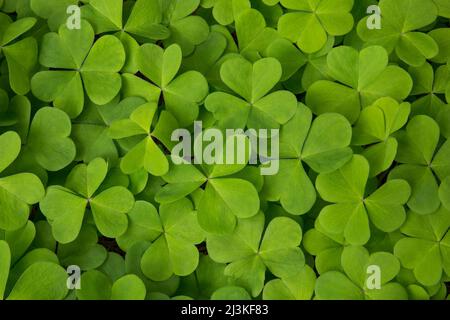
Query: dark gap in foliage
[
  {"x": 202, "y": 248},
  {"x": 111, "y": 245}
]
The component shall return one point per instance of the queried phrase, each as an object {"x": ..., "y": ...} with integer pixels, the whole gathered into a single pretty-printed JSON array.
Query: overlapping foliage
[{"x": 86, "y": 177}]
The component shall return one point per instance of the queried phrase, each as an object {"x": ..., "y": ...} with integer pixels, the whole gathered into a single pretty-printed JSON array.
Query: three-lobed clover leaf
[
  {"x": 78, "y": 64},
  {"x": 18, "y": 191},
  {"x": 65, "y": 206},
  {"x": 400, "y": 20},
  {"x": 228, "y": 194},
  {"x": 249, "y": 254},
  {"x": 21, "y": 54},
  {"x": 145, "y": 153},
  {"x": 364, "y": 77},
  {"x": 429, "y": 84},
  {"x": 309, "y": 23},
  {"x": 422, "y": 160},
  {"x": 425, "y": 249},
  {"x": 353, "y": 283},
  {"x": 374, "y": 128},
  {"x": 352, "y": 208},
  {"x": 255, "y": 107},
  {"x": 175, "y": 232},
  {"x": 322, "y": 144},
  {"x": 182, "y": 94}
]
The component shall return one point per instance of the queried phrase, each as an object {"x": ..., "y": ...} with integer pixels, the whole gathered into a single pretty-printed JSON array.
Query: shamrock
[
  {"x": 421, "y": 162},
  {"x": 20, "y": 54},
  {"x": 375, "y": 126},
  {"x": 258, "y": 108},
  {"x": 288, "y": 55},
  {"x": 18, "y": 191},
  {"x": 249, "y": 253},
  {"x": 253, "y": 35},
  {"x": 327, "y": 248},
  {"x": 175, "y": 231},
  {"x": 323, "y": 144},
  {"x": 365, "y": 77},
  {"x": 425, "y": 249},
  {"x": 310, "y": 22},
  {"x": 225, "y": 11},
  {"x": 90, "y": 133},
  {"x": 182, "y": 94},
  {"x": 65, "y": 206},
  {"x": 399, "y": 20},
  {"x": 77, "y": 62},
  {"x": 297, "y": 287},
  {"x": 227, "y": 195},
  {"x": 352, "y": 208},
  {"x": 145, "y": 154},
  {"x": 428, "y": 85},
  {"x": 354, "y": 283}
]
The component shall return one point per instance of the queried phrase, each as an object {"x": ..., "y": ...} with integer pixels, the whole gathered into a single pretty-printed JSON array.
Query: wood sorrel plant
[{"x": 321, "y": 168}]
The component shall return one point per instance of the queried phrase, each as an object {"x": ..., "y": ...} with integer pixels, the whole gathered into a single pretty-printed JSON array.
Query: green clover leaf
[
  {"x": 249, "y": 253},
  {"x": 309, "y": 23},
  {"x": 364, "y": 77},
  {"x": 228, "y": 194},
  {"x": 296, "y": 287},
  {"x": 145, "y": 153},
  {"x": 182, "y": 94},
  {"x": 253, "y": 35},
  {"x": 375, "y": 126},
  {"x": 175, "y": 233},
  {"x": 400, "y": 20},
  {"x": 428, "y": 86},
  {"x": 5, "y": 261},
  {"x": 443, "y": 8},
  {"x": 352, "y": 284},
  {"x": 425, "y": 249},
  {"x": 65, "y": 207},
  {"x": 303, "y": 140},
  {"x": 49, "y": 141},
  {"x": 258, "y": 108},
  {"x": 54, "y": 11},
  {"x": 421, "y": 162},
  {"x": 230, "y": 293},
  {"x": 20, "y": 54},
  {"x": 78, "y": 65},
  {"x": 207, "y": 280},
  {"x": 18, "y": 191},
  {"x": 327, "y": 248},
  {"x": 352, "y": 208},
  {"x": 444, "y": 193},
  {"x": 84, "y": 251},
  {"x": 225, "y": 11},
  {"x": 41, "y": 281}
]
